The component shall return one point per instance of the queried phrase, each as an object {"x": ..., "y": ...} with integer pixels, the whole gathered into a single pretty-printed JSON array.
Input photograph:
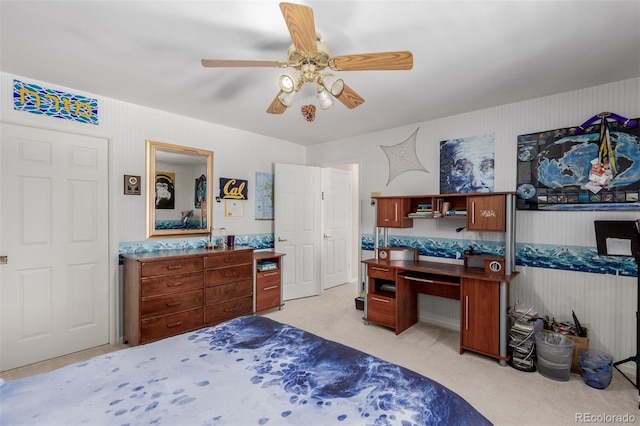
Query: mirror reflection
[{"x": 178, "y": 190}]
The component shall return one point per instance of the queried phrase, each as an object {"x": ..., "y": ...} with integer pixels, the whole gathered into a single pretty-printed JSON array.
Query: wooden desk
[{"x": 392, "y": 299}]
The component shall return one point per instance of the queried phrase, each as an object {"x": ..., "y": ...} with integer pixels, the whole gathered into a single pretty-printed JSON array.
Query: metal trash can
[{"x": 554, "y": 353}]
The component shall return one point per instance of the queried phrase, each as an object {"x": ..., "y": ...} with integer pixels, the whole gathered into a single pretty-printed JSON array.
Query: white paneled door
[
  {"x": 297, "y": 228},
  {"x": 54, "y": 287},
  {"x": 336, "y": 227}
]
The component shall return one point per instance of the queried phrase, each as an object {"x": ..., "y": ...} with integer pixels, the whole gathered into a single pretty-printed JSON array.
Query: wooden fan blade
[
  {"x": 223, "y": 63},
  {"x": 373, "y": 61},
  {"x": 350, "y": 98},
  {"x": 276, "y": 106},
  {"x": 302, "y": 27}
]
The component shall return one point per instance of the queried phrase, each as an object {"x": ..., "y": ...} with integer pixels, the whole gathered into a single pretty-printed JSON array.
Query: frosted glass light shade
[
  {"x": 288, "y": 82},
  {"x": 286, "y": 98},
  {"x": 325, "y": 99},
  {"x": 333, "y": 84}
]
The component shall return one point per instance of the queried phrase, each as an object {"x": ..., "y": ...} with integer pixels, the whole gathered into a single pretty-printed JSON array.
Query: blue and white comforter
[{"x": 248, "y": 371}]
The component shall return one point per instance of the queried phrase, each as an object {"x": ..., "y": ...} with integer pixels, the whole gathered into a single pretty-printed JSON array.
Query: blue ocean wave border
[
  {"x": 256, "y": 241},
  {"x": 567, "y": 258}
]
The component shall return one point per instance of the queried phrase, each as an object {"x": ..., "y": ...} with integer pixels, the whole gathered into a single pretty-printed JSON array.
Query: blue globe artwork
[{"x": 567, "y": 162}]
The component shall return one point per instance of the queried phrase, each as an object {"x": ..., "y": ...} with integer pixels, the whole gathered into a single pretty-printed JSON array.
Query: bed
[{"x": 247, "y": 371}]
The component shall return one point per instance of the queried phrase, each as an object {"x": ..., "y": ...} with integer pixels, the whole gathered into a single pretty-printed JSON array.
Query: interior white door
[
  {"x": 336, "y": 227},
  {"x": 297, "y": 228},
  {"x": 54, "y": 288}
]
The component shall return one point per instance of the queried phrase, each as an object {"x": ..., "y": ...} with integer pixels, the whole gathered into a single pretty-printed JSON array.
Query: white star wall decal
[{"x": 402, "y": 157}]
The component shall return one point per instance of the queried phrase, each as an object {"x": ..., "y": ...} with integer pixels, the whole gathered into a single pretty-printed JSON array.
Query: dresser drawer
[
  {"x": 171, "y": 284},
  {"x": 228, "y": 259},
  {"x": 381, "y": 310},
  {"x": 170, "y": 303},
  {"x": 268, "y": 298},
  {"x": 384, "y": 272},
  {"x": 220, "y": 312},
  {"x": 170, "y": 267},
  {"x": 220, "y": 293},
  {"x": 170, "y": 325},
  {"x": 268, "y": 278},
  {"x": 229, "y": 275}
]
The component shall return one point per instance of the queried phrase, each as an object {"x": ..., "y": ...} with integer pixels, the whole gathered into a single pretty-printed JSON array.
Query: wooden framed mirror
[{"x": 178, "y": 190}]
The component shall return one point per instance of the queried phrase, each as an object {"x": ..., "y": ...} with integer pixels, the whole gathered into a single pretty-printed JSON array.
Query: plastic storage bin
[
  {"x": 554, "y": 353},
  {"x": 595, "y": 368}
]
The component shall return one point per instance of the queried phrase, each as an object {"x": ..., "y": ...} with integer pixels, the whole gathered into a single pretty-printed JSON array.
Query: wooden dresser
[{"x": 170, "y": 292}]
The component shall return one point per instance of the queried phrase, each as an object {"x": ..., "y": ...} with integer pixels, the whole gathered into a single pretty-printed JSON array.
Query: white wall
[
  {"x": 606, "y": 304},
  {"x": 237, "y": 154}
]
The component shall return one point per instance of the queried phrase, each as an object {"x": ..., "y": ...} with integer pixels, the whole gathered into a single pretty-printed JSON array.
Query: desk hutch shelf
[{"x": 393, "y": 285}]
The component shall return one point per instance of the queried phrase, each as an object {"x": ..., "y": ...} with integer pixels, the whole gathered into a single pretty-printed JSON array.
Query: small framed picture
[{"x": 131, "y": 185}]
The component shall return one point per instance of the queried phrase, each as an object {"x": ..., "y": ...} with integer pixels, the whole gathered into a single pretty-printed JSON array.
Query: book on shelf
[
  {"x": 267, "y": 266},
  {"x": 420, "y": 214},
  {"x": 388, "y": 287}
]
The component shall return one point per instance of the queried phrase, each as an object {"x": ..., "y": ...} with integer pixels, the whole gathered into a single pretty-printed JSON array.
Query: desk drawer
[
  {"x": 381, "y": 310},
  {"x": 384, "y": 272}
]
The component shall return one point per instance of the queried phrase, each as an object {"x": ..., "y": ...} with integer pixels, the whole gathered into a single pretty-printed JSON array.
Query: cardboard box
[{"x": 581, "y": 345}]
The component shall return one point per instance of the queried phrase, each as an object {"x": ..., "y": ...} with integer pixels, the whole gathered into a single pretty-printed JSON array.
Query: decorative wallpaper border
[
  {"x": 257, "y": 241},
  {"x": 568, "y": 258}
]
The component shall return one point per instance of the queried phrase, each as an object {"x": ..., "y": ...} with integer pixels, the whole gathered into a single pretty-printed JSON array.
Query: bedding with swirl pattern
[{"x": 247, "y": 371}]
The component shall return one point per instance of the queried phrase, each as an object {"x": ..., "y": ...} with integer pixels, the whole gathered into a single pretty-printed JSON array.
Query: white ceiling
[{"x": 468, "y": 55}]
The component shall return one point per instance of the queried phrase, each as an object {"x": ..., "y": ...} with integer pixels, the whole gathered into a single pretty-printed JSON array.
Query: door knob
[
  {"x": 327, "y": 237},
  {"x": 280, "y": 240}
]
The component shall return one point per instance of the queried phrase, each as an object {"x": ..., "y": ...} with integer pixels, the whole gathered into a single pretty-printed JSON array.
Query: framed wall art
[
  {"x": 595, "y": 166},
  {"x": 467, "y": 164}
]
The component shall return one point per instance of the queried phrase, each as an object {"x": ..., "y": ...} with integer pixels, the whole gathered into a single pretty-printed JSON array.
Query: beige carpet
[{"x": 504, "y": 395}]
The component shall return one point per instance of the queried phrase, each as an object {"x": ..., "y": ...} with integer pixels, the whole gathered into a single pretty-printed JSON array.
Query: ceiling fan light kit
[{"x": 309, "y": 56}]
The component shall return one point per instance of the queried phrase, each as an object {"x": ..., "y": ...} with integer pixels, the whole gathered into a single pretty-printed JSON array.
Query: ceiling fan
[{"x": 309, "y": 57}]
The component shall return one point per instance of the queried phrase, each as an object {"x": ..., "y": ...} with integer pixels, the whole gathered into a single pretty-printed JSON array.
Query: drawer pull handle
[
  {"x": 230, "y": 259},
  {"x": 174, "y": 324},
  {"x": 230, "y": 274},
  {"x": 270, "y": 288},
  {"x": 379, "y": 300},
  {"x": 172, "y": 267},
  {"x": 422, "y": 280},
  {"x": 380, "y": 269},
  {"x": 270, "y": 273},
  {"x": 466, "y": 312},
  {"x": 230, "y": 309},
  {"x": 174, "y": 284},
  {"x": 176, "y": 303}
]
